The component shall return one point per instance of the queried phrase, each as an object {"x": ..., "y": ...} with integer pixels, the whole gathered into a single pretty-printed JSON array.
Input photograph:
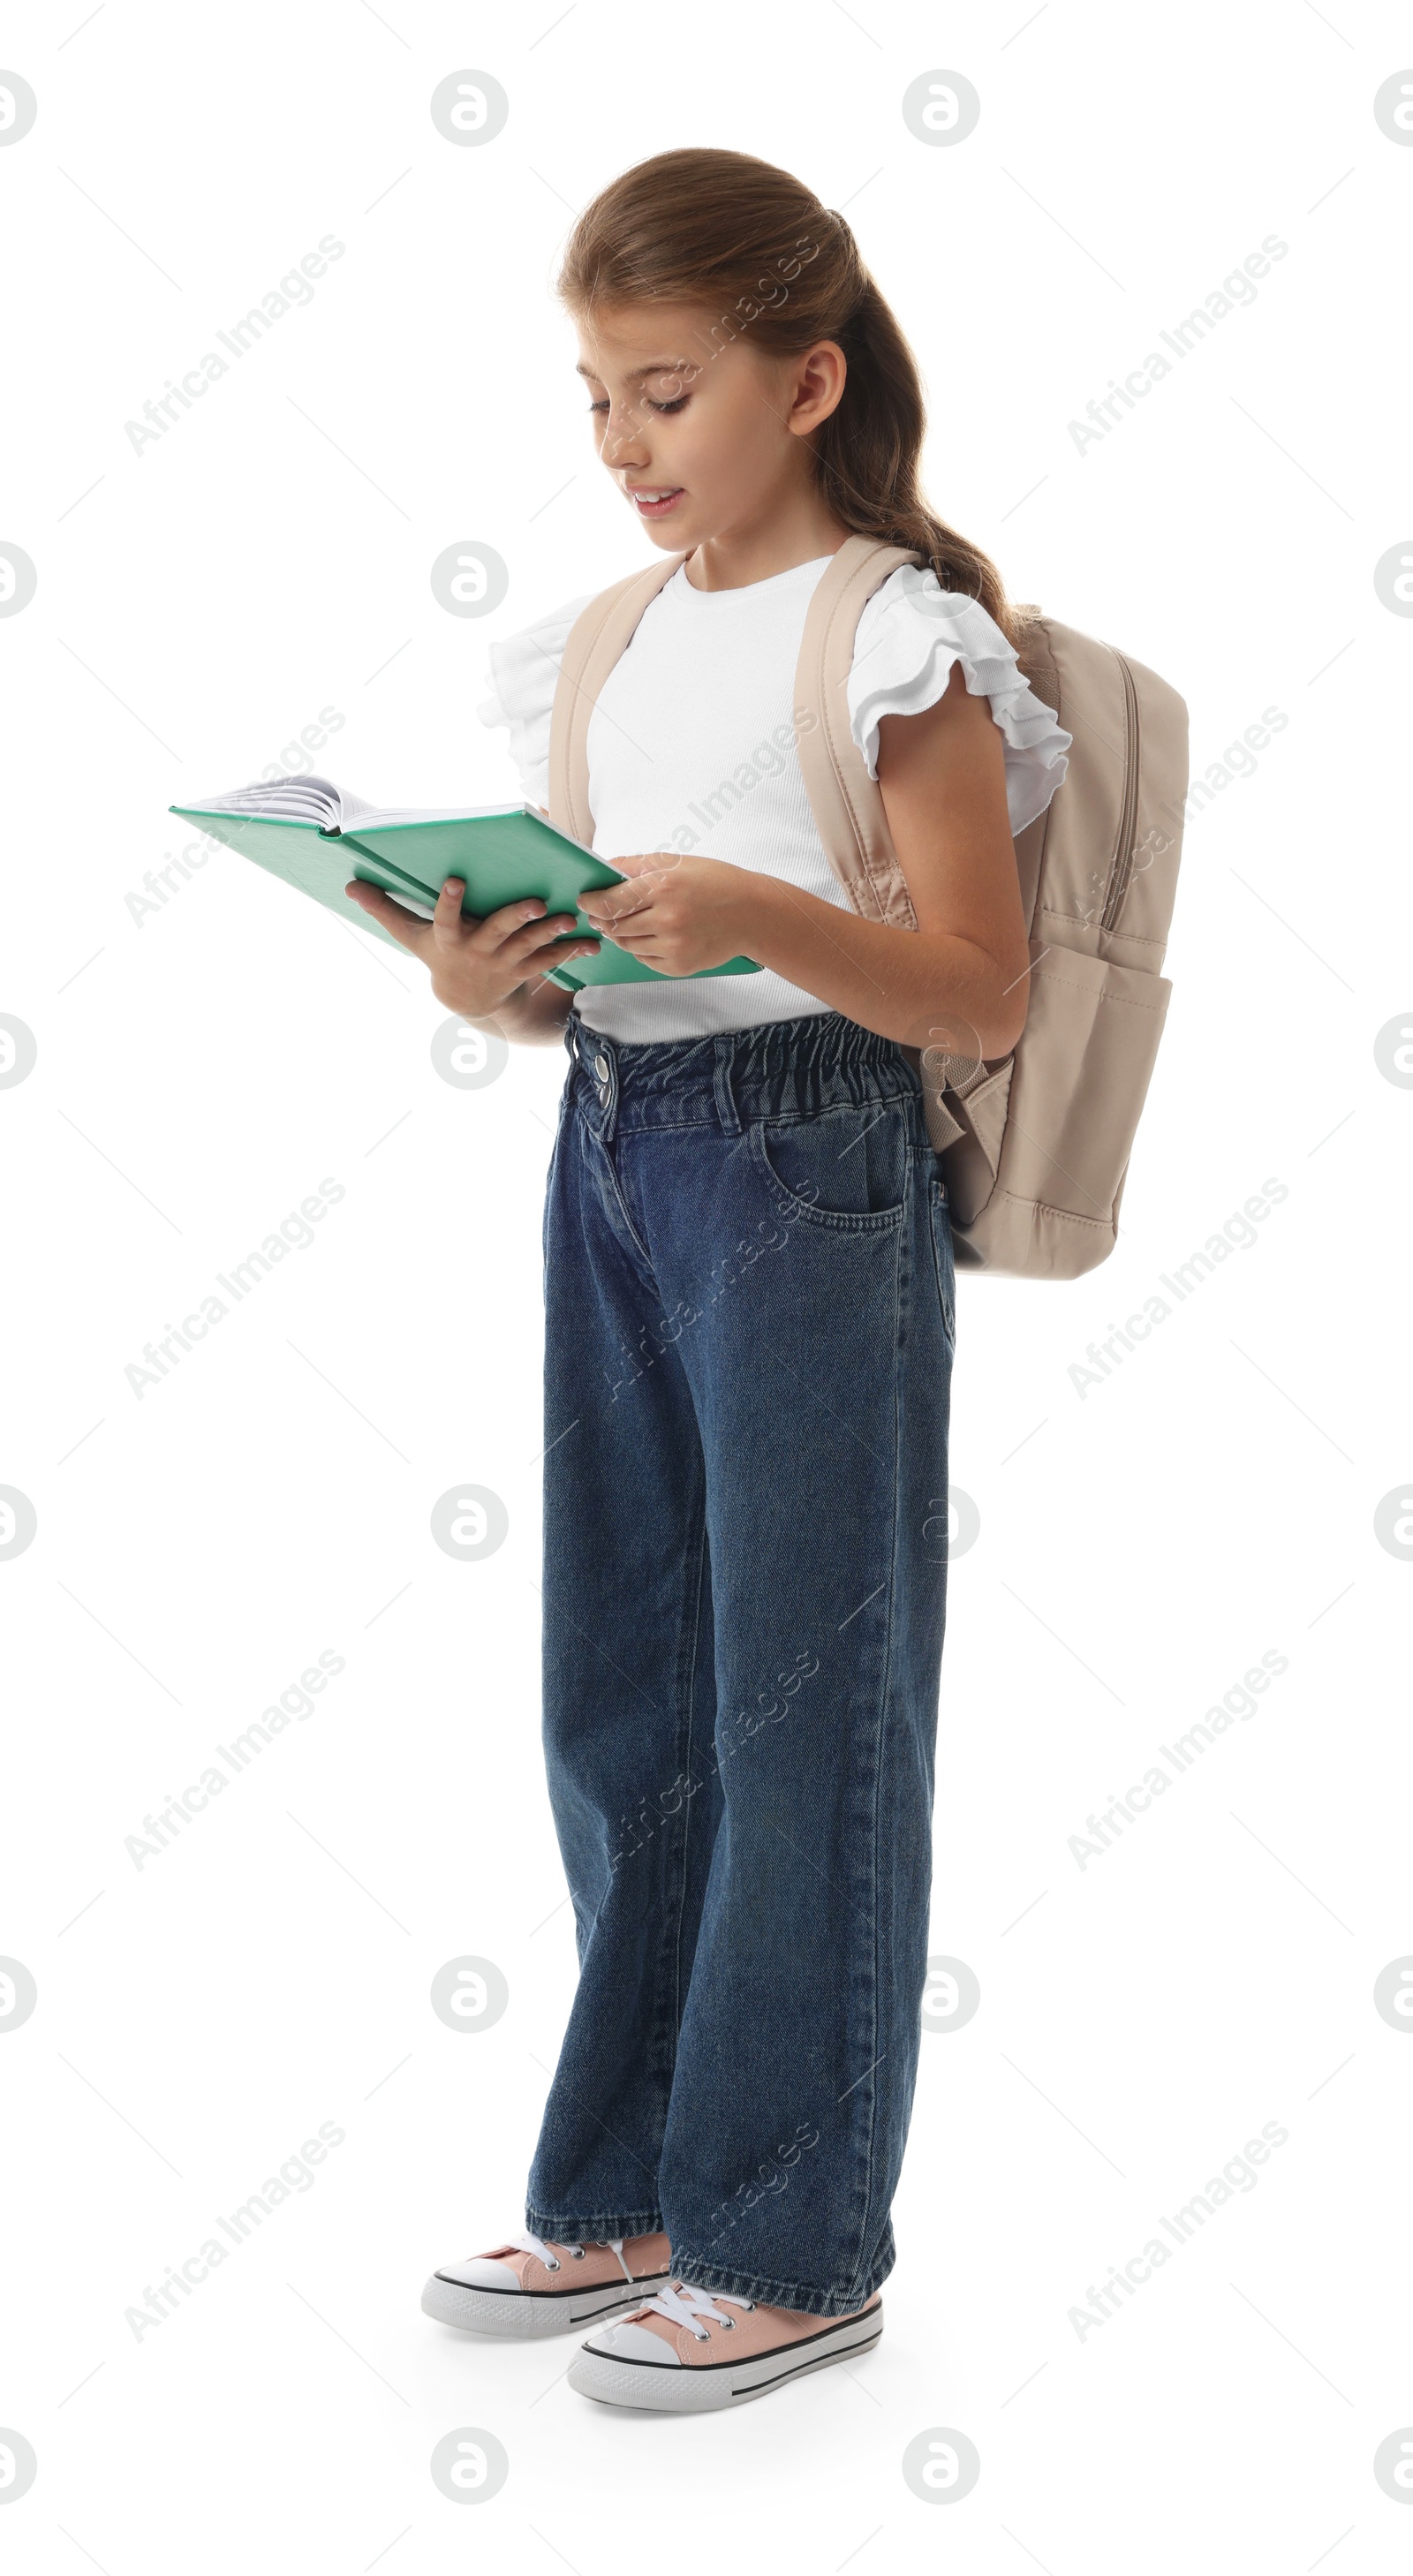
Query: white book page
[
  {"x": 303, "y": 799},
  {"x": 307, "y": 799},
  {"x": 385, "y": 816}
]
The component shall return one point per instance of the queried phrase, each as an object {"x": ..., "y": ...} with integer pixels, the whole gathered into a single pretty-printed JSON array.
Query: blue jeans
[{"x": 749, "y": 1296}]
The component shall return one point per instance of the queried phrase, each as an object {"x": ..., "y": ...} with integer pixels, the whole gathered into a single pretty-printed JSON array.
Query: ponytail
[{"x": 867, "y": 454}]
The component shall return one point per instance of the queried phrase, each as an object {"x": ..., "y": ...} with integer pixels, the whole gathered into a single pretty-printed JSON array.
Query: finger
[
  {"x": 641, "y": 863},
  {"x": 647, "y": 866},
  {"x": 634, "y": 920},
  {"x": 555, "y": 927},
  {"x": 543, "y": 967},
  {"x": 449, "y": 923},
  {"x": 407, "y": 928},
  {"x": 608, "y": 913},
  {"x": 498, "y": 928}
]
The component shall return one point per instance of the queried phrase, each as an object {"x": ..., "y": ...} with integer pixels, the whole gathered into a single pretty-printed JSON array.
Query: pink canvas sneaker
[
  {"x": 682, "y": 2353},
  {"x": 530, "y": 2287}
]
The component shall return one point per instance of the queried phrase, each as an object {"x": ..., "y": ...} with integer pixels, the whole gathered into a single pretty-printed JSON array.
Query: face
[{"x": 704, "y": 436}]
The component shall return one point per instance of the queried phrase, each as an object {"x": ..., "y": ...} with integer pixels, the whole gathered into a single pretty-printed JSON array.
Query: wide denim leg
[{"x": 749, "y": 1331}]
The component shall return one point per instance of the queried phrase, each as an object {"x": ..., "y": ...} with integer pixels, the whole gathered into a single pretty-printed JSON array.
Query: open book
[{"x": 317, "y": 836}]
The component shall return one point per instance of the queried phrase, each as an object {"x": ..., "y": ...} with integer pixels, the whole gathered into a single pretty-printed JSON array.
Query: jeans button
[
  {"x": 604, "y": 1093},
  {"x": 601, "y": 1067}
]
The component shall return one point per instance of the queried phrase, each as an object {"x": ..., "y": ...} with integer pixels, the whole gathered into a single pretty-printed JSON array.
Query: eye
[{"x": 678, "y": 405}]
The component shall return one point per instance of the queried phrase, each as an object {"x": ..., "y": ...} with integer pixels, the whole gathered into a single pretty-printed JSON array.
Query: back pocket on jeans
[{"x": 845, "y": 1167}]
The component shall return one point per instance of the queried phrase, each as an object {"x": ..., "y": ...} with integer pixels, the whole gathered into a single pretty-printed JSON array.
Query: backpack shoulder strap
[
  {"x": 598, "y": 638},
  {"x": 847, "y": 805}
]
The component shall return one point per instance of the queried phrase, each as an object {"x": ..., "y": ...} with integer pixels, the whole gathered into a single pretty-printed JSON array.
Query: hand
[
  {"x": 680, "y": 912},
  {"x": 476, "y": 964}
]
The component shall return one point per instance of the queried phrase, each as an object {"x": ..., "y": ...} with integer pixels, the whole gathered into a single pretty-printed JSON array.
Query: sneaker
[
  {"x": 681, "y": 2353},
  {"x": 529, "y": 2287}
]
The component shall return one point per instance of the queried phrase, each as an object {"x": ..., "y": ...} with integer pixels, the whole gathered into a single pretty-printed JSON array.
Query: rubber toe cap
[
  {"x": 636, "y": 2343},
  {"x": 478, "y": 2272}
]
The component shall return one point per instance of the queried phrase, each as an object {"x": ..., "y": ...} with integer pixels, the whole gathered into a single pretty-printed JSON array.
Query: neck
[{"x": 797, "y": 530}]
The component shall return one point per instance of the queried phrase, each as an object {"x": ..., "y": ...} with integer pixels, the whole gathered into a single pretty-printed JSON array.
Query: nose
[{"x": 624, "y": 442}]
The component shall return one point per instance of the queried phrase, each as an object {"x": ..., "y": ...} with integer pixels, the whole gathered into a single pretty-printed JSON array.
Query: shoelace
[
  {"x": 680, "y": 2303},
  {"x": 537, "y": 2245}
]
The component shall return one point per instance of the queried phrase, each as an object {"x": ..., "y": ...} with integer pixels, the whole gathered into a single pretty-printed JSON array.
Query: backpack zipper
[{"x": 1121, "y": 864}]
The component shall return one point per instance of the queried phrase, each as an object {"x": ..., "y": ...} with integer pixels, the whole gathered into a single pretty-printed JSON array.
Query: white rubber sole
[
  {"x": 684, "y": 2390},
  {"x": 520, "y": 2314}
]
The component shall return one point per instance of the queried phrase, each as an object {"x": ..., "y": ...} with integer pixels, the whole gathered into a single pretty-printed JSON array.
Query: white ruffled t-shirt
[{"x": 691, "y": 746}]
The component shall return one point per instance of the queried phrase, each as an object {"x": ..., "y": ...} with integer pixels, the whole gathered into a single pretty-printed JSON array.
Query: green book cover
[{"x": 317, "y": 836}]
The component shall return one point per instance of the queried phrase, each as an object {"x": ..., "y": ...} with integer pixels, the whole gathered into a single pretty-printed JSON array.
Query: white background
[{"x": 199, "y": 1073}]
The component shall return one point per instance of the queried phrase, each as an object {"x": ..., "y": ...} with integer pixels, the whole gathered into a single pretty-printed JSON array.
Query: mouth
[{"x": 655, "y": 502}]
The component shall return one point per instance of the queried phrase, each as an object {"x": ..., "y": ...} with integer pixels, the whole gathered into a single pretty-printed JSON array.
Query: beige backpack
[{"x": 1034, "y": 1148}]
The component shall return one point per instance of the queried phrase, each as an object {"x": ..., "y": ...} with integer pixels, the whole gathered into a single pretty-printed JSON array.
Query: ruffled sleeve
[
  {"x": 521, "y": 671},
  {"x": 909, "y": 636}
]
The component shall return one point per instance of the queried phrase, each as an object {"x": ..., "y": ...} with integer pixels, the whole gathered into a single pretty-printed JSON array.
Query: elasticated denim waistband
[{"x": 779, "y": 1069}]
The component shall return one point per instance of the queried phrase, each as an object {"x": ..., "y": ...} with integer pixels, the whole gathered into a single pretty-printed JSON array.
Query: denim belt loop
[{"x": 726, "y": 1109}]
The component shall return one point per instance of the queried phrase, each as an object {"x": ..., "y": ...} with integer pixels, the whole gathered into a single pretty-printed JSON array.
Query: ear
[{"x": 816, "y": 386}]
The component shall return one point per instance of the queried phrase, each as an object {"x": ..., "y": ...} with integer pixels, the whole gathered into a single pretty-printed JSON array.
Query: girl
[{"x": 749, "y": 1302}]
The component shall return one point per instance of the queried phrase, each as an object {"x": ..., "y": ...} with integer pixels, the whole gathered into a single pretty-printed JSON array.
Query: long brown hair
[{"x": 754, "y": 247}]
